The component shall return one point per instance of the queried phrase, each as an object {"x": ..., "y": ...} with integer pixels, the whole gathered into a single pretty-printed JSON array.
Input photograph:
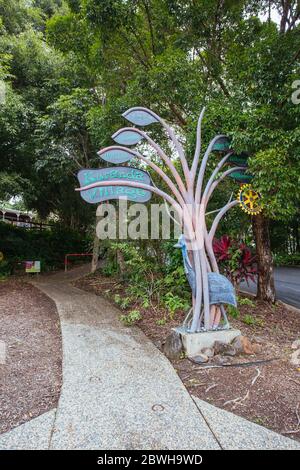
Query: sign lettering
[{"x": 100, "y": 194}]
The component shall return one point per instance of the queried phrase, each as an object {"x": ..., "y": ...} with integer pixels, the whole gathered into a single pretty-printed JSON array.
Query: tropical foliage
[
  {"x": 49, "y": 246},
  {"x": 235, "y": 259},
  {"x": 71, "y": 67}
]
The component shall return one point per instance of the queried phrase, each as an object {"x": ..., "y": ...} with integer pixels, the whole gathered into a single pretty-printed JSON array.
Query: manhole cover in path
[{"x": 158, "y": 407}]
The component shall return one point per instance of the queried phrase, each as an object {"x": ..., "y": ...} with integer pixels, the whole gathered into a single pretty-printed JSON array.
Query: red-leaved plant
[{"x": 235, "y": 259}]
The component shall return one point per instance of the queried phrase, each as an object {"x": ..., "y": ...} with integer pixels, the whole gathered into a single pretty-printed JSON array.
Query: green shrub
[
  {"x": 174, "y": 303},
  {"x": 123, "y": 302},
  {"x": 131, "y": 318},
  {"x": 5, "y": 268},
  {"x": 232, "y": 311},
  {"x": 48, "y": 246},
  {"x": 250, "y": 320},
  {"x": 282, "y": 259},
  {"x": 148, "y": 281},
  {"x": 161, "y": 322},
  {"x": 246, "y": 301}
]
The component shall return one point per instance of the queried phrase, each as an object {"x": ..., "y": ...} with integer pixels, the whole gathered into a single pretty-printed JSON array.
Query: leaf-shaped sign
[
  {"x": 104, "y": 193},
  {"x": 221, "y": 145},
  {"x": 115, "y": 155},
  {"x": 127, "y": 137},
  {"x": 139, "y": 116},
  {"x": 241, "y": 177},
  {"x": 239, "y": 160}
]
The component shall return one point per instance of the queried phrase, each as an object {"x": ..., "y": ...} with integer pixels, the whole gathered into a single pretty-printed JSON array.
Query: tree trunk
[
  {"x": 286, "y": 5},
  {"x": 296, "y": 237},
  {"x": 96, "y": 247},
  {"x": 265, "y": 284},
  {"x": 121, "y": 262}
]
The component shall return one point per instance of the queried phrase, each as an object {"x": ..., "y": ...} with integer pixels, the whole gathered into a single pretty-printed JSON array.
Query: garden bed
[
  {"x": 267, "y": 393},
  {"x": 31, "y": 376}
]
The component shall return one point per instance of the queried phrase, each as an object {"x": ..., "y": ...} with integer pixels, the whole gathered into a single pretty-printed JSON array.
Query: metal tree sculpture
[{"x": 190, "y": 199}]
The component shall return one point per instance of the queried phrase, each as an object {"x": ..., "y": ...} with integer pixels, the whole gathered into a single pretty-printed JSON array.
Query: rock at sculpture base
[
  {"x": 243, "y": 345},
  {"x": 221, "y": 360},
  {"x": 173, "y": 346},
  {"x": 295, "y": 358},
  {"x": 209, "y": 352},
  {"x": 224, "y": 349},
  {"x": 296, "y": 344},
  {"x": 200, "y": 359}
]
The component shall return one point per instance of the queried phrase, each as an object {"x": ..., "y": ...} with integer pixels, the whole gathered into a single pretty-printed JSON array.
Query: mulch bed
[
  {"x": 265, "y": 393},
  {"x": 30, "y": 379}
]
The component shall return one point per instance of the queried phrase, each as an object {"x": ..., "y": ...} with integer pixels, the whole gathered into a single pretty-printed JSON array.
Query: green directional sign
[
  {"x": 238, "y": 159},
  {"x": 241, "y": 177},
  {"x": 221, "y": 145},
  {"x": 100, "y": 194}
]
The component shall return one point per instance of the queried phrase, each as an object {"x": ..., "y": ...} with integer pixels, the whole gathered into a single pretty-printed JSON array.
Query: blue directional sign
[
  {"x": 126, "y": 137},
  {"x": 139, "y": 117},
  {"x": 115, "y": 155},
  {"x": 104, "y": 193}
]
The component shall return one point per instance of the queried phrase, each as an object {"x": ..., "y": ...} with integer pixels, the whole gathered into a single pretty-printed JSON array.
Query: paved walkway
[{"x": 120, "y": 392}]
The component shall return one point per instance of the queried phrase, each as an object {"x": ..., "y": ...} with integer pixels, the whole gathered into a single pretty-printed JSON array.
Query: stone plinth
[{"x": 193, "y": 343}]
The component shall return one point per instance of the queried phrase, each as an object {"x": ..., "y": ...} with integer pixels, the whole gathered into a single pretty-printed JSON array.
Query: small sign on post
[{"x": 32, "y": 267}]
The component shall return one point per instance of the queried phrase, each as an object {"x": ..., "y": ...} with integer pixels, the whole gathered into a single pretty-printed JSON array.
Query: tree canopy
[{"x": 72, "y": 67}]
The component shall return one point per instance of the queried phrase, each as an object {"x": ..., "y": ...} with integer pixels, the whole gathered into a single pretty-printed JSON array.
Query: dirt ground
[
  {"x": 30, "y": 378},
  {"x": 267, "y": 393}
]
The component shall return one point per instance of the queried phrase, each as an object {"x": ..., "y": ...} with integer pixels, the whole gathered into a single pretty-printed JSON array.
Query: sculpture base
[{"x": 193, "y": 343}]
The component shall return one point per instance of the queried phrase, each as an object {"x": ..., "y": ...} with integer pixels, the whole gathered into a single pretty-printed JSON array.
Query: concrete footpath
[{"x": 120, "y": 392}]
